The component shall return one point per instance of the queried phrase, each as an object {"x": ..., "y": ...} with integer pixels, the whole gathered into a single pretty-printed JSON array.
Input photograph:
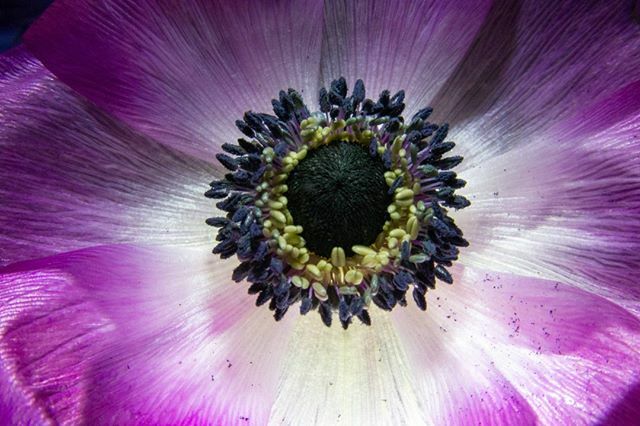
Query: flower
[{"x": 114, "y": 311}]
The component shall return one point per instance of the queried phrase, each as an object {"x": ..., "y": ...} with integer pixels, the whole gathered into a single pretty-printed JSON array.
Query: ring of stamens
[{"x": 416, "y": 244}]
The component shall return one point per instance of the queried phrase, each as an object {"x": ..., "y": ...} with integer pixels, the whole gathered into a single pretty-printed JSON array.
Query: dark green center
[{"x": 338, "y": 195}]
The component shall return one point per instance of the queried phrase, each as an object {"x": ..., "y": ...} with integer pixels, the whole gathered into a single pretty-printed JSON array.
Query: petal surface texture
[
  {"x": 565, "y": 205},
  {"x": 411, "y": 45},
  {"x": 357, "y": 377},
  {"x": 502, "y": 349},
  {"x": 182, "y": 74},
  {"x": 126, "y": 335},
  {"x": 534, "y": 63},
  {"x": 73, "y": 177},
  {"x": 15, "y": 406}
]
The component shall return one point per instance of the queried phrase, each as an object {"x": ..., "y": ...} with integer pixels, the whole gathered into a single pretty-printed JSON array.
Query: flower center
[
  {"x": 340, "y": 209},
  {"x": 339, "y": 196}
]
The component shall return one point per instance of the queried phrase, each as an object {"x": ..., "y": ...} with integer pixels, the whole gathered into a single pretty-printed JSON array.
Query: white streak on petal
[{"x": 357, "y": 376}]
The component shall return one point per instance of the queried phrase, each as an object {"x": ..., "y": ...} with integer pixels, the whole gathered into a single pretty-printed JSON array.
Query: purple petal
[
  {"x": 411, "y": 45},
  {"x": 566, "y": 205},
  {"x": 72, "y": 177},
  {"x": 15, "y": 406},
  {"x": 626, "y": 412},
  {"x": 620, "y": 108},
  {"x": 571, "y": 355},
  {"x": 125, "y": 335},
  {"x": 535, "y": 63},
  {"x": 182, "y": 74}
]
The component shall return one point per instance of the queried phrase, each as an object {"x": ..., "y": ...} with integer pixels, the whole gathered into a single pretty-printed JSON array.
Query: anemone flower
[{"x": 336, "y": 200}]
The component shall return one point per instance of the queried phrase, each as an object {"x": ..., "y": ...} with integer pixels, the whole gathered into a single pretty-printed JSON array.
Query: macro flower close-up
[{"x": 321, "y": 212}]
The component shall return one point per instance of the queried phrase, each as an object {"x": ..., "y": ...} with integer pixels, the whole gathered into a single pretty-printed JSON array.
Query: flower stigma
[{"x": 339, "y": 209}]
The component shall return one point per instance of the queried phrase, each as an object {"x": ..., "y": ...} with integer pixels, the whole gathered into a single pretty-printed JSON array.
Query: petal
[
  {"x": 571, "y": 355},
  {"x": 457, "y": 381},
  {"x": 355, "y": 376},
  {"x": 535, "y": 63},
  {"x": 181, "y": 74},
  {"x": 626, "y": 411},
  {"x": 72, "y": 177},
  {"x": 364, "y": 375},
  {"x": 15, "y": 406},
  {"x": 411, "y": 45},
  {"x": 620, "y": 108},
  {"x": 126, "y": 335},
  {"x": 566, "y": 205}
]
